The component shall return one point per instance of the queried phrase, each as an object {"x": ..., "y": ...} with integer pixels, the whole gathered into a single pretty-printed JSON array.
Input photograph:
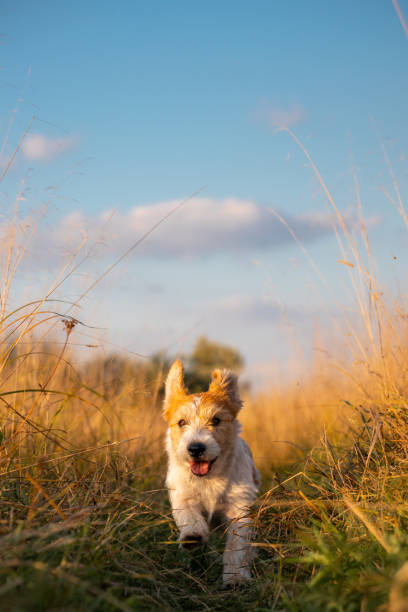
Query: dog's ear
[
  {"x": 224, "y": 385},
  {"x": 174, "y": 388}
]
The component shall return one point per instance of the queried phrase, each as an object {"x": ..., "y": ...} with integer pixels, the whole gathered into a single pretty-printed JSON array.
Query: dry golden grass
[{"x": 282, "y": 424}]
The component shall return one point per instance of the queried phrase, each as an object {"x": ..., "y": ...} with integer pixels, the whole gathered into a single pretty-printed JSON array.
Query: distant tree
[{"x": 206, "y": 356}]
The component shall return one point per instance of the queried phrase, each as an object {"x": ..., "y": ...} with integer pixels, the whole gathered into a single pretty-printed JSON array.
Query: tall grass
[{"x": 84, "y": 518}]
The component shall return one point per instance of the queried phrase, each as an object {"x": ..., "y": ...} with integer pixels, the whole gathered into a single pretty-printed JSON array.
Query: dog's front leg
[
  {"x": 189, "y": 519},
  {"x": 238, "y": 551}
]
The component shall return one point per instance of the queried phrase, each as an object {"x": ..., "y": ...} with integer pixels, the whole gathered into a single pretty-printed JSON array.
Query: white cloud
[
  {"x": 38, "y": 147},
  {"x": 204, "y": 226},
  {"x": 280, "y": 117},
  {"x": 285, "y": 117}
]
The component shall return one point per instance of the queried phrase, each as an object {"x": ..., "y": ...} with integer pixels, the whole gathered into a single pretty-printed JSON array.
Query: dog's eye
[
  {"x": 181, "y": 423},
  {"x": 215, "y": 421}
]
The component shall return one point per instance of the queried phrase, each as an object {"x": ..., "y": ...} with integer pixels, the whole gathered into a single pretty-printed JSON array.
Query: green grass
[
  {"x": 113, "y": 545},
  {"x": 118, "y": 551}
]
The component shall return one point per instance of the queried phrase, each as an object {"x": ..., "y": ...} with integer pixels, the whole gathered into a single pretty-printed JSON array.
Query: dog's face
[{"x": 202, "y": 425}]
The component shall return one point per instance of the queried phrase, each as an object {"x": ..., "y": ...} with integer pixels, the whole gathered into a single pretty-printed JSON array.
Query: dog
[{"x": 210, "y": 467}]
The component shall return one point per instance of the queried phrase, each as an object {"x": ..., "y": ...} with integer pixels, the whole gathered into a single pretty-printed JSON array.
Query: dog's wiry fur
[{"x": 210, "y": 466}]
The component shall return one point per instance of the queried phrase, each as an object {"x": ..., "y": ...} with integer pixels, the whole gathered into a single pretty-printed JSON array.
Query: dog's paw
[
  {"x": 192, "y": 540},
  {"x": 234, "y": 585}
]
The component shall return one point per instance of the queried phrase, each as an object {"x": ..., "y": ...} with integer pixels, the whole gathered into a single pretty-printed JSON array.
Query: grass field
[{"x": 85, "y": 522}]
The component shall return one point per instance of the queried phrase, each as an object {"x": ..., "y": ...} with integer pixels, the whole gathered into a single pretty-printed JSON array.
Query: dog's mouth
[{"x": 201, "y": 468}]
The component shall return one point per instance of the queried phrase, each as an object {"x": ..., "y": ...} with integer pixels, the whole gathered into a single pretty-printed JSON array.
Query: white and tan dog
[{"x": 210, "y": 466}]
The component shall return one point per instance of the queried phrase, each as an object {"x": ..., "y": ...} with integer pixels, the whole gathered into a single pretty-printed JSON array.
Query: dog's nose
[{"x": 196, "y": 449}]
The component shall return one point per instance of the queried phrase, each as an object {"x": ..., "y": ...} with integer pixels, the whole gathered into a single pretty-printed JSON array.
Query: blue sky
[{"x": 139, "y": 104}]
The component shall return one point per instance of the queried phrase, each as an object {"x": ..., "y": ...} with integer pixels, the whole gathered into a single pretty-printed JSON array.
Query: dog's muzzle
[{"x": 198, "y": 465}]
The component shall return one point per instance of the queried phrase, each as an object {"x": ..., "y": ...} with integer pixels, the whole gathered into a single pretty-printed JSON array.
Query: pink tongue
[{"x": 200, "y": 468}]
